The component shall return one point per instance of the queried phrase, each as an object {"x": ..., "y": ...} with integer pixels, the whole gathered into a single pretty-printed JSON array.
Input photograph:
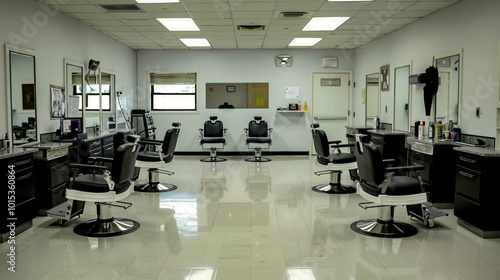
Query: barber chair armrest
[
  {"x": 336, "y": 142},
  {"x": 100, "y": 159},
  {"x": 389, "y": 161},
  {"x": 151, "y": 142},
  {"x": 270, "y": 132},
  {"x": 224, "y": 132},
  {"x": 342, "y": 145},
  {"x": 201, "y": 133},
  {"x": 246, "y": 131},
  {"x": 87, "y": 166}
]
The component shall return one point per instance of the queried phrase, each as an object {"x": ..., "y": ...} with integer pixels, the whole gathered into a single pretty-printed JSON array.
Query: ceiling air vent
[
  {"x": 293, "y": 15},
  {"x": 120, "y": 8},
  {"x": 251, "y": 27}
]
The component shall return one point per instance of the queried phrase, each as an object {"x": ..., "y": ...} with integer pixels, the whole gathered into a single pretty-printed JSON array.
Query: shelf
[{"x": 291, "y": 111}]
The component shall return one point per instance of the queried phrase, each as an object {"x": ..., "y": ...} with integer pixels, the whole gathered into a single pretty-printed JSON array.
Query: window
[
  {"x": 173, "y": 91},
  {"x": 93, "y": 96}
]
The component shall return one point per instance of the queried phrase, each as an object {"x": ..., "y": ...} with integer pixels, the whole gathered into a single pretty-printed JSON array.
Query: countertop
[
  {"x": 359, "y": 127},
  {"x": 412, "y": 139},
  {"x": 480, "y": 151},
  {"x": 16, "y": 152},
  {"x": 388, "y": 132},
  {"x": 52, "y": 145}
]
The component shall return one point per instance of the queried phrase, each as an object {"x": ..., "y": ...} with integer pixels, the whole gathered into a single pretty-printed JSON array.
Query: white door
[{"x": 330, "y": 106}]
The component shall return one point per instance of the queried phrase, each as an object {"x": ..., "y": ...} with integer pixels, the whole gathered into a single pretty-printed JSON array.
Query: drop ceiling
[{"x": 219, "y": 20}]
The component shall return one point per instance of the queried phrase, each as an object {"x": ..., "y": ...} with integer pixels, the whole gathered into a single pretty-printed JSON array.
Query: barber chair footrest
[
  {"x": 155, "y": 187},
  {"x": 379, "y": 229},
  {"x": 334, "y": 189},
  {"x": 98, "y": 228}
]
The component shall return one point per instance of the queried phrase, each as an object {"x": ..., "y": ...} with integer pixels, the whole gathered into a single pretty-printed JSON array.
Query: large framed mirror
[
  {"x": 73, "y": 83},
  {"x": 448, "y": 98},
  {"x": 372, "y": 99},
  {"x": 21, "y": 95},
  {"x": 237, "y": 95},
  {"x": 108, "y": 111},
  {"x": 92, "y": 102},
  {"x": 402, "y": 97}
]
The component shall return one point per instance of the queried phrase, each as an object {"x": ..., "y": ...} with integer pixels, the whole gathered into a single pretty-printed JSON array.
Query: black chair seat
[
  {"x": 337, "y": 158},
  {"x": 259, "y": 140},
  {"x": 96, "y": 184},
  {"x": 212, "y": 140},
  {"x": 151, "y": 156},
  {"x": 400, "y": 185}
]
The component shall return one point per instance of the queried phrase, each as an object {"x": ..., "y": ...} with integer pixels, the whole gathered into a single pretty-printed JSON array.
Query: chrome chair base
[
  {"x": 106, "y": 228},
  {"x": 379, "y": 228},
  {"x": 213, "y": 159},
  {"x": 155, "y": 187},
  {"x": 334, "y": 188},
  {"x": 258, "y": 159}
]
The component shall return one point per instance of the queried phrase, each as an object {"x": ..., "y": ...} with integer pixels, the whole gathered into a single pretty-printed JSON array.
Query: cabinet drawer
[
  {"x": 20, "y": 163},
  {"x": 469, "y": 211},
  {"x": 25, "y": 185},
  {"x": 108, "y": 151},
  {"x": 57, "y": 195},
  {"x": 59, "y": 174},
  {"x": 470, "y": 161},
  {"x": 95, "y": 153},
  {"x": 107, "y": 140},
  {"x": 94, "y": 144},
  {"x": 468, "y": 183},
  {"x": 24, "y": 212},
  {"x": 377, "y": 139}
]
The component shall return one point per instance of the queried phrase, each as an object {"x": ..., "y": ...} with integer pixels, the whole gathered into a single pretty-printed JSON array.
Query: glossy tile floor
[{"x": 239, "y": 220}]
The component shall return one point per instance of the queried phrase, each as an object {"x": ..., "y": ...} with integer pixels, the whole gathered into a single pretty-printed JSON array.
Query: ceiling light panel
[
  {"x": 304, "y": 42},
  {"x": 324, "y": 23},
  {"x": 179, "y": 24},
  {"x": 195, "y": 42},
  {"x": 157, "y": 1}
]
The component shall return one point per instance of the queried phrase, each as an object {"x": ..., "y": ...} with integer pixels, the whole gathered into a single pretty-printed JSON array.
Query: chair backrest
[
  {"x": 320, "y": 141},
  {"x": 257, "y": 128},
  {"x": 213, "y": 128},
  {"x": 123, "y": 166},
  {"x": 170, "y": 140},
  {"x": 370, "y": 163}
]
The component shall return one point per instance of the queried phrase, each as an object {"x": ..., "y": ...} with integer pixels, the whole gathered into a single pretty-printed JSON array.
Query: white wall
[
  {"x": 54, "y": 36},
  {"x": 291, "y": 132},
  {"x": 468, "y": 24}
]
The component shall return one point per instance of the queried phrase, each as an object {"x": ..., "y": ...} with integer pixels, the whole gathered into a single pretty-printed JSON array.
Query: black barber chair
[
  {"x": 213, "y": 134},
  {"x": 336, "y": 161},
  {"x": 158, "y": 158},
  {"x": 105, "y": 187},
  {"x": 258, "y": 138},
  {"x": 385, "y": 188}
]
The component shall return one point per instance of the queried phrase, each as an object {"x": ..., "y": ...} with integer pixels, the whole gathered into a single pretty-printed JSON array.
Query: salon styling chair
[
  {"x": 384, "y": 188},
  {"x": 156, "y": 159},
  {"x": 213, "y": 136},
  {"x": 335, "y": 160},
  {"x": 105, "y": 186},
  {"x": 258, "y": 138}
]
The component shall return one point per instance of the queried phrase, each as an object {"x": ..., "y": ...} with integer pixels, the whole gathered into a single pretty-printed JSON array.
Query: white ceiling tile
[
  {"x": 209, "y": 14},
  {"x": 179, "y": 14},
  {"x": 414, "y": 13},
  {"x": 434, "y": 5},
  {"x": 251, "y": 7},
  {"x": 330, "y": 13},
  {"x": 344, "y": 6},
  {"x": 136, "y": 22},
  {"x": 263, "y": 14},
  {"x": 389, "y": 6},
  {"x": 107, "y": 22},
  {"x": 298, "y": 6},
  {"x": 142, "y": 28},
  {"x": 87, "y": 16},
  {"x": 170, "y": 7},
  {"x": 213, "y": 6},
  {"x": 80, "y": 9},
  {"x": 131, "y": 16}
]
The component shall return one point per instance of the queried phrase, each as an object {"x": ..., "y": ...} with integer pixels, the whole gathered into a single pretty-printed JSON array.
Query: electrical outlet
[{"x": 478, "y": 112}]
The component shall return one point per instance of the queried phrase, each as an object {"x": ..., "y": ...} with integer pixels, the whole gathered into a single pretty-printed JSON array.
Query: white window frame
[{"x": 150, "y": 94}]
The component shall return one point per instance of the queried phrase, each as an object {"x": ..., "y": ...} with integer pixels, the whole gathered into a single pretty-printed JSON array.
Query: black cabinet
[
  {"x": 391, "y": 146},
  {"x": 108, "y": 149},
  {"x": 477, "y": 193},
  {"x": 51, "y": 175},
  {"x": 100, "y": 147},
  {"x": 18, "y": 194}
]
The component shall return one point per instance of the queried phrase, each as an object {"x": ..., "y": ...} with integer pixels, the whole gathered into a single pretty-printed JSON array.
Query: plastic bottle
[
  {"x": 421, "y": 131},
  {"x": 299, "y": 107},
  {"x": 305, "y": 106}
]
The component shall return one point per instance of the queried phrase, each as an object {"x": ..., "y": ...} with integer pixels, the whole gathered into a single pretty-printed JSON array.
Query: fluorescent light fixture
[
  {"x": 179, "y": 24},
  {"x": 156, "y": 1},
  {"x": 195, "y": 42},
  {"x": 304, "y": 42},
  {"x": 324, "y": 23}
]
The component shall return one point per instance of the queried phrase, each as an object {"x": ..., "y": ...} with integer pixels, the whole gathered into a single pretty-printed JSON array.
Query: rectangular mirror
[
  {"x": 237, "y": 95},
  {"x": 73, "y": 85},
  {"x": 108, "y": 100},
  {"x": 402, "y": 97},
  {"x": 448, "y": 98},
  {"x": 92, "y": 102},
  {"x": 372, "y": 102},
  {"x": 21, "y": 97}
]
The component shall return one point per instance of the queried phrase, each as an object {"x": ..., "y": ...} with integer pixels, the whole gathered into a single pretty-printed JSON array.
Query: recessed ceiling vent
[
  {"x": 120, "y": 8},
  {"x": 293, "y": 15},
  {"x": 251, "y": 27}
]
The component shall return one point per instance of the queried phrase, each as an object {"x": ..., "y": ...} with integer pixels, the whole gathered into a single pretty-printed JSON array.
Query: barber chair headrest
[
  {"x": 314, "y": 125},
  {"x": 133, "y": 138},
  {"x": 176, "y": 124},
  {"x": 257, "y": 118},
  {"x": 213, "y": 118}
]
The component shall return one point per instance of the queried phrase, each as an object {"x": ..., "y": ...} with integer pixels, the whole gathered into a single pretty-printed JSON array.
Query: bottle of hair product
[
  {"x": 305, "y": 106},
  {"x": 421, "y": 131},
  {"x": 299, "y": 107}
]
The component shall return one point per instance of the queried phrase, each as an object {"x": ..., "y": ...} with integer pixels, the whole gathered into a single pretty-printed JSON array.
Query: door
[{"x": 330, "y": 108}]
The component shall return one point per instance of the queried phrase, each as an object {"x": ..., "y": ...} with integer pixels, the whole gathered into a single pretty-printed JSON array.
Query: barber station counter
[
  {"x": 18, "y": 193},
  {"x": 477, "y": 193}
]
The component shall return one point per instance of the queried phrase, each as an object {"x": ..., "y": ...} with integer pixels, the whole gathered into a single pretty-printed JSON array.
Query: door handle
[{"x": 330, "y": 118}]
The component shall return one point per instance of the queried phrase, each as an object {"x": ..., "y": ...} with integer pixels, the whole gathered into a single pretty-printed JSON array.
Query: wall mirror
[
  {"x": 21, "y": 95},
  {"x": 91, "y": 100},
  {"x": 73, "y": 83},
  {"x": 372, "y": 99},
  {"x": 237, "y": 95},
  {"x": 108, "y": 112},
  {"x": 402, "y": 97},
  {"x": 448, "y": 97}
]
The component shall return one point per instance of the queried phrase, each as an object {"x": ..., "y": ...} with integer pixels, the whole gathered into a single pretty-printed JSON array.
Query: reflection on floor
[{"x": 243, "y": 220}]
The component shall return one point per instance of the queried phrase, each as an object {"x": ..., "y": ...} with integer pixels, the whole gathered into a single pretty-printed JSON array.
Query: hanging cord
[{"x": 127, "y": 122}]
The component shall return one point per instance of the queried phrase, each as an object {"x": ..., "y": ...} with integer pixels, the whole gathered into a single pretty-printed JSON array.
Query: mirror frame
[
  {"x": 458, "y": 52},
  {"x": 377, "y": 72},
  {"x": 77, "y": 64},
  {"x": 8, "y": 50},
  {"x": 112, "y": 98},
  {"x": 410, "y": 92}
]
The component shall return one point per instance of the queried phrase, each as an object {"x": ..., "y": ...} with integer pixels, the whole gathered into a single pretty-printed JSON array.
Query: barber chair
[
  {"x": 213, "y": 135},
  {"x": 105, "y": 186},
  {"x": 258, "y": 137},
  {"x": 384, "y": 188},
  {"x": 336, "y": 161},
  {"x": 157, "y": 159}
]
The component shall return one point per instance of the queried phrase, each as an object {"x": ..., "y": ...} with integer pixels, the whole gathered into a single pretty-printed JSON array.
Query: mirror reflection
[
  {"x": 73, "y": 86},
  {"x": 107, "y": 100},
  {"x": 401, "y": 98},
  {"x": 237, "y": 95},
  {"x": 447, "y": 97},
  {"x": 92, "y": 103},
  {"x": 372, "y": 103},
  {"x": 22, "y": 95}
]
